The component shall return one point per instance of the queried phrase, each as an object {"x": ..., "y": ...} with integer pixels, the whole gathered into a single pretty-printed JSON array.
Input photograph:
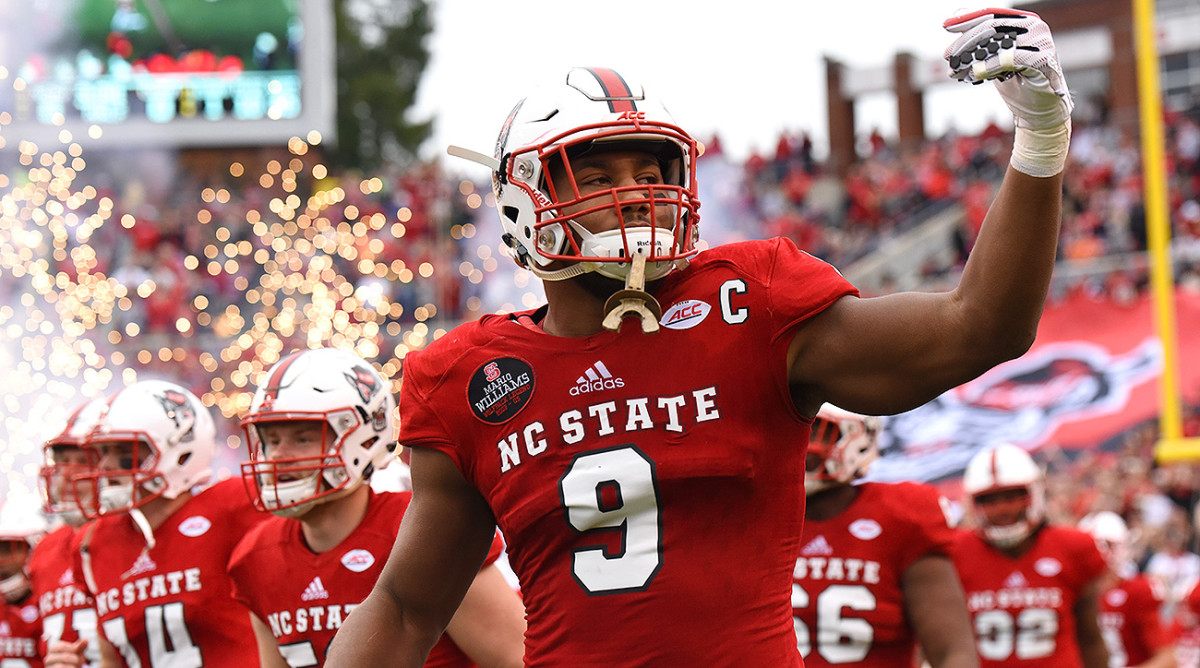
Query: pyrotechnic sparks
[
  {"x": 50, "y": 301},
  {"x": 305, "y": 258}
]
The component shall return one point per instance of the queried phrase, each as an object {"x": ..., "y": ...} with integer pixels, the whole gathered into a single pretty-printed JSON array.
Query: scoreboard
[{"x": 166, "y": 73}]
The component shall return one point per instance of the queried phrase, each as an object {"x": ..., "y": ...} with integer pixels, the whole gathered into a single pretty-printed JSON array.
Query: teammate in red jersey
[
  {"x": 321, "y": 423},
  {"x": 647, "y": 472},
  {"x": 155, "y": 558},
  {"x": 20, "y": 530},
  {"x": 1130, "y": 603},
  {"x": 874, "y": 575},
  {"x": 1184, "y": 628},
  {"x": 1032, "y": 588},
  {"x": 67, "y": 611}
]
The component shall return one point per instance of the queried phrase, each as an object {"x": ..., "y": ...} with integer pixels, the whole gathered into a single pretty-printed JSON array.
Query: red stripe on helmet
[
  {"x": 272, "y": 387},
  {"x": 620, "y": 98}
]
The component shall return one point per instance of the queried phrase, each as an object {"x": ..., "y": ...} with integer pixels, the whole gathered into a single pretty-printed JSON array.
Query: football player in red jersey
[
  {"x": 321, "y": 423},
  {"x": 874, "y": 575},
  {"x": 155, "y": 557},
  {"x": 1032, "y": 588},
  {"x": 647, "y": 471},
  {"x": 20, "y": 530},
  {"x": 1130, "y": 603},
  {"x": 1185, "y": 629},
  {"x": 67, "y": 611}
]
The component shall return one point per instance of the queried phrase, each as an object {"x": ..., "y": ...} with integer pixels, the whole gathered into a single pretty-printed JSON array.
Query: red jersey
[
  {"x": 19, "y": 632},
  {"x": 1184, "y": 631},
  {"x": 646, "y": 483},
  {"x": 1022, "y": 609},
  {"x": 171, "y": 604},
  {"x": 305, "y": 601},
  {"x": 67, "y": 610},
  {"x": 847, "y": 597},
  {"x": 1131, "y": 622},
  {"x": 1187, "y": 644}
]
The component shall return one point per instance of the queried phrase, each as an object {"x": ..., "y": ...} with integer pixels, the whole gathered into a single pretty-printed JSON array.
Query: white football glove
[{"x": 1014, "y": 49}]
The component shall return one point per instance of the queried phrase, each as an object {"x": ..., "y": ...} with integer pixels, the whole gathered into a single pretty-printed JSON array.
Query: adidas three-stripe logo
[
  {"x": 314, "y": 590},
  {"x": 596, "y": 378}
]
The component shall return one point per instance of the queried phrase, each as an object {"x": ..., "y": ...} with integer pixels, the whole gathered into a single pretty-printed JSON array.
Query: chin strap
[
  {"x": 577, "y": 269},
  {"x": 633, "y": 300},
  {"x": 85, "y": 558},
  {"x": 143, "y": 525}
]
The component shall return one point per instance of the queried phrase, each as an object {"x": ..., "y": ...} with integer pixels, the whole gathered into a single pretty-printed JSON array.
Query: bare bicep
[{"x": 883, "y": 355}]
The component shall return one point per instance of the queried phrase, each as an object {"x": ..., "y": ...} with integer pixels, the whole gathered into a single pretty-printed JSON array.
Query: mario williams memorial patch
[{"x": 500, "y": 389}]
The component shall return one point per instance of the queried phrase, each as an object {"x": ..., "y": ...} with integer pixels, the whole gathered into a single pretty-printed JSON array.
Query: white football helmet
[
  {"x": 841, "y": 448},
  {"x": 66, "y": 457},
  {"x": 589, "y": 109},
  {"x": 1004, "y": 468},
  {"x": 356, "y": 409},
  {"x": 21, "y": 526},
  {"x": 172, "y": 441},
  {"x": 1111, "y": 535}
]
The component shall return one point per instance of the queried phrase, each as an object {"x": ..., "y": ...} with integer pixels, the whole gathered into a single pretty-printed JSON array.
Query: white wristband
[{"x": 1040, "y": 153}]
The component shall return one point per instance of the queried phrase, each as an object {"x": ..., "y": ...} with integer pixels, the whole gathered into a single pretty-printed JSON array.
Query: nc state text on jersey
[
  {"x": 287, "y": 622},
  {"x": 144, "y": 589},
  {"x": 666, "y": 412},
  {"x": 62, "y": 597},
  {"x": 837, "y": 569},
  {"x": 1024, "y": 597}
]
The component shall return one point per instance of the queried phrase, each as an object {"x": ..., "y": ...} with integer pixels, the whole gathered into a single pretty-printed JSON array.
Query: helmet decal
[
  {"x": 175, "y": 405},
  {"x": 364, "y": 382}
]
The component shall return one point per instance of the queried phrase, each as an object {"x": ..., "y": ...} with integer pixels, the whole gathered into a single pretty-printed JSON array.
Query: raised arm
[
  {"x": 443, "y": 539},
  {"x": 894, "y": 353}
]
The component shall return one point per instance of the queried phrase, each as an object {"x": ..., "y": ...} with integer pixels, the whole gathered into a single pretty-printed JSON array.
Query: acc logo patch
[
  {"x": 196, "y": 525},
  {"x": 1047, "y": 567},
  {"x": 865, "y": 529},
  {"x": 358, "y": 560},
  {"x": 685, "y": 314},
  {"x": 499, "y": 389}
]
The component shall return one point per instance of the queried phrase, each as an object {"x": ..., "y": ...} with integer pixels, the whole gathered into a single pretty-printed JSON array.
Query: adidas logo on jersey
[
  {"x": 68, "y": 578},
  {"x": 595, "y": 379},
  {"x": 143, "y": 564},
  {"x": 315, "y": 590},
  {"x": 817, "y": 547},
  {"x": 1016, "y": 580}
]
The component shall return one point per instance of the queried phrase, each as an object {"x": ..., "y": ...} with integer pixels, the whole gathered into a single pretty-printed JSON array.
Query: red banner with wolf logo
[{"x": 1092, "y": 374}]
